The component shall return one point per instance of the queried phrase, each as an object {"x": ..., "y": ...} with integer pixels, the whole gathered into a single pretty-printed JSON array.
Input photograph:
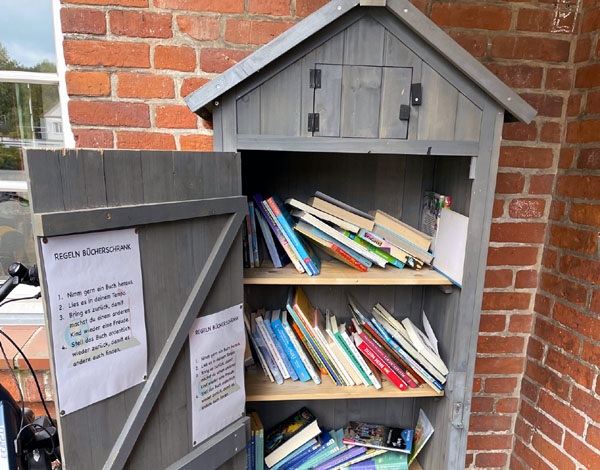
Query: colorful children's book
[
  {"x": 378, "y": 437},
  {"x": 423, "y": 432},
  {"x": 288, "y": 347},
  {"x": 290, "y": 434},
  {"x": 332, "y": 247},
  {"x": 390, "y": 248},
  {"x": 378, "y": 362},
  {"x": 378, "y": 251},
  {"x": 285, "y": 221},
  {"x": 306, "y": 362},
  {"x": 280, "y": 349},
  {"x": 385, "y": 461},
  {"x": 283, "y": 241}
]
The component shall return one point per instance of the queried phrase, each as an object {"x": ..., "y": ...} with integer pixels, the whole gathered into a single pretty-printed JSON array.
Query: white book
[
  {"x": 396, "y": 330},
  {"x": 333, "y": 233},
  {"x": 323, "y": 215},
  {"x": 262, "y": 329},
  {"x": 361, "y": 361},
  {"x": 320, "y": 337},
  {"x": 332, "y": 329},
  {"x": 340, "y": 354},
  {"x": 422, "y": 344},
  {"x": 303, "y": 357}
]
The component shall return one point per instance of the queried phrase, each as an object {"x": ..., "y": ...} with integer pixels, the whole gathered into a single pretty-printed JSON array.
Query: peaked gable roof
[{"x": 403, "y": 10}]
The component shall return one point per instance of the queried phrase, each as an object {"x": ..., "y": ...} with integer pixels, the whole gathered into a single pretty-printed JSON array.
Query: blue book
[
  {"x": 334, "y": 451},
  {"x": 282, "y": 463},
  {"x": 323, "y": 440},
  {"x": 290, "y": 308},
  {"x": 404, "y": 355},
  {"x": 280, "y": 253},
  {"x": 278, "y": 345},
  {"x": 285, "y": 219},
  {"x": 288, "y": 347},
  {"x": 324, "y": 453}
]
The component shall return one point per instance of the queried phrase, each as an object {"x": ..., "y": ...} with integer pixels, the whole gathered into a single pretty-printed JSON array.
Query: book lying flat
[
  {"x": 378, "y": 251},
  {"x": 343, "y": 205},
  {"x": 378, "y": 437},
  {"x": 411, "y": 234},
  {"x": 322, "y": 215},
  {"x": 290, "y": 434},
  {"x": 385, "y": 461},
  {"x": 408, "y": 247},
  {"x": 343, "y": 214}
]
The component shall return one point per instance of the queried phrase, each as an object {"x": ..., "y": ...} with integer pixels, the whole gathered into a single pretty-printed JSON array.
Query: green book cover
[
  {"x": 378, "y": 251},
  {"x": 341, "y": 342}
]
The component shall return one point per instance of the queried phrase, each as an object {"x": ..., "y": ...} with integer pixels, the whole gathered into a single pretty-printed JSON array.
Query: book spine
[
  {"x": 348, "y": 257},
  {"x": 430, "y": 379},
  {"x": 301, "y": 354},
  {"x": 291, "y": 353},
  {"x": 295, "y": 257},
  {"x": 262, "y": 346},
  {"x": 260, "y": 460},
  {"x": 363, "y": 377},
  {"x": 344, "y": 359},
  {"x": 344, "y": 457},
  {"x": 341, "y": 373},
  {"x": 268, "y": 237},
  {"x": 388, "y": 361},
  {"x": 254, "y": 234},
  {"x": 311, "y": 350},
  {"x": 363, "y": 365},
  {"x": 260, "y": 325},
  {"x": 309, "y": 335},
  {"x": 279, "y": 214},
  {"x": 280, "y": 350},
  {"x": 300, "y": 459},
  {"x": 378, "y": 251},
  {"x": 381, "y": 365}
]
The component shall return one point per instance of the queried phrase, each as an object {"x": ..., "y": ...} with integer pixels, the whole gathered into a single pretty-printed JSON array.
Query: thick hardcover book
[
  {"x": 254, "y": 234},
  {"x": 257, "y": 350},
  {"x": 303, "y": 314},
  {"x": 410, "y": 234},
  {"x": 332, "y": 247},
  {"x": 264, "y": 350},
  {"x": 378, "y": 437},
  {"x": 403, "y": 244},
  {"x": 378, "y": 362},
  {"x": 269, "y": 241},
  {"x": 306, "y": 362},
  {"x": 262, "y": 329},
  {"x": 290, "y": 434},
  {"x": 378, "y": 251},
  {"x": 288, "y": 347},
  {"x": 280, "y": 349},
  {"x": 286, "y": 222},
  {"x": 385, "y": 461},
  {"x": 339, "y": 237},
  {"x": 418, "y": 368},
  {"x": 323, "y": 215},
  {"x": 396, "y": 331},
  {"x": 264, "y": 209}
]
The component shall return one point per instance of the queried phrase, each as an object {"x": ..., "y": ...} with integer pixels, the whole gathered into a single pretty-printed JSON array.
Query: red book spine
[
  {"x": 348, "y": 257},
  {"x": 388, "y": 362},
  {"x": 375, "y": 359}
]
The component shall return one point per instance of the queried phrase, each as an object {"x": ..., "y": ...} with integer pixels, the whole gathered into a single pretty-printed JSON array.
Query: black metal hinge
[
  {"x": 315, "y": 78},
  {"x": 404, "y": 112},
  {"x": 416, "y": 93},
  {"x": 313, "y": 122}
]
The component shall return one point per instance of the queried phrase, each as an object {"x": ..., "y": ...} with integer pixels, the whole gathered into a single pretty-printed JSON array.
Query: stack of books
[
  {"x": 298, "y": 443},
  {"x": 300, "y": 342},
  {"x": 359, "y": 239}
]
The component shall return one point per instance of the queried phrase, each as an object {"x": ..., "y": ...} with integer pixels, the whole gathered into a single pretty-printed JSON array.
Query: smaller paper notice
[
  {"x": 217, "y": 344},
  {"x": 96, "y": 306}
]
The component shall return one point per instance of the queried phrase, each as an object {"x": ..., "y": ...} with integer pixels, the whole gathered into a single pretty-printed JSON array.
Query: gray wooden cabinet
[{"x": 373, "y": 105}]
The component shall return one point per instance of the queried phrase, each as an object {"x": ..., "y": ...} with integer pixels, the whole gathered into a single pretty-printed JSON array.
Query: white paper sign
[
  {"x": 217, "y": 344},
  {"x": 97, "y": 315}
]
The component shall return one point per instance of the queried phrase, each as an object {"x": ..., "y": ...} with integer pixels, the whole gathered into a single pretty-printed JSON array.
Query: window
[{"x": 33, "y": 113}]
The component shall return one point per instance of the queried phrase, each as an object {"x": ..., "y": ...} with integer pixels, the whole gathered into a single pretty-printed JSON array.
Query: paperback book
[{"x": 378, "y": 437}]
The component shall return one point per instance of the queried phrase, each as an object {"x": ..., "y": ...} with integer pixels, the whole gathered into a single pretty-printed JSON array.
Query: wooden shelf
[
  {"x": 259, "y": 388},
  {"x": 336, "y": 273}
]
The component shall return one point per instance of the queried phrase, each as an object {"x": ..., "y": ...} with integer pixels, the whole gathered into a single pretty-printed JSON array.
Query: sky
[{"x": 26, "y": 30}]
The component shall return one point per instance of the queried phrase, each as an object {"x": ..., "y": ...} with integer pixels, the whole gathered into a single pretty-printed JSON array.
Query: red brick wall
[
  {"x": 558, "y": 424},
  {"x": 130, "y": 63}
]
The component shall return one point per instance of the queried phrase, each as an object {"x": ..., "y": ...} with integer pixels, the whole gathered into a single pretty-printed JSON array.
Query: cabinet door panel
[
  {"x": 361, "y": 97},
  {"x": 395, "y": 92}
]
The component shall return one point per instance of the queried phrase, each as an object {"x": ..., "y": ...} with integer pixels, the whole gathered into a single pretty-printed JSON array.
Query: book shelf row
[{"x": 259, "y": 388}]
